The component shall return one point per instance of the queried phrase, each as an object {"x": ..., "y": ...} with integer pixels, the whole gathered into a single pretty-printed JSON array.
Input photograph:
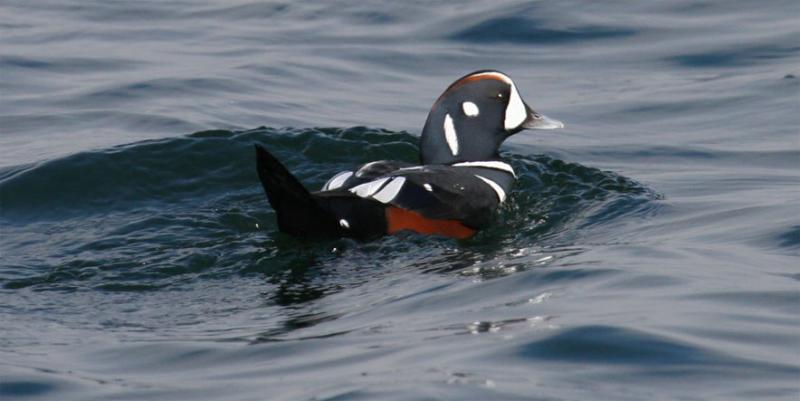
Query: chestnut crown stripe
[
  {"x": 498, "y": 76},
  {"x": 481, "y": 76}
]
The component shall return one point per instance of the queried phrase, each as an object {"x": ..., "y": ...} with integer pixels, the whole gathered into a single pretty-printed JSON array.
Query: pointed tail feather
[{"x": 298, "y": 212}]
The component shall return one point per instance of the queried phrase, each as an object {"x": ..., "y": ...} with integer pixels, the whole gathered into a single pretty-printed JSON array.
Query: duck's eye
[{"x": 537, "y": 116}]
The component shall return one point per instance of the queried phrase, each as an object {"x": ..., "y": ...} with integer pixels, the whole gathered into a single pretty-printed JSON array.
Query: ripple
[
  {"x": 790, "y": 238},
  {"x": 158, "y": 89},
  {"x": 135, "y": 217},
  {"x": 606, "y": 345},
  {"x": 23, "y": 388},
  {"x": 247, "y": 11},
  {"x": 517, "y": 29},
  {"x": 784, "y": 301},
  {"x": 738, "y": 56},
  {"x": 154, "y": 270},
  {"x": 67, "y": 65},
  {"x": 91, "y": 120}
]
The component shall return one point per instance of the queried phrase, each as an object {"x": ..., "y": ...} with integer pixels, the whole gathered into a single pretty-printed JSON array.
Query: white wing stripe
[
  {"x": 366, "y": 189},
  {"x": 365, "y": 168},
  {"x": 390, "y": 190},
  {"x": 412, "y": 168},
  {"x": 337, "y": 180},
  {"x": 500, "y": 193},
  {"x": 489, "y": 164}
]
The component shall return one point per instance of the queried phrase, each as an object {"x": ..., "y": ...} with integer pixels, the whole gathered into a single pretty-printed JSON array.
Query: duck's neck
[{"x": 440, "y": 145}]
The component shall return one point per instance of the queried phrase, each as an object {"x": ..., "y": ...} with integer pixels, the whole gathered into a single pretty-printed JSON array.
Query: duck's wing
[
  {"x": 438, "y": 193},
  {"x": 365, "y": 173}
]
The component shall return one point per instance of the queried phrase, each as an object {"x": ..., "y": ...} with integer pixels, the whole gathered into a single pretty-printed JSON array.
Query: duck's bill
[{"x": 541, "y": 121}]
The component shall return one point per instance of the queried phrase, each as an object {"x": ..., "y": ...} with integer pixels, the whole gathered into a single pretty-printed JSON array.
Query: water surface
[{"x": 649, "y": 250}]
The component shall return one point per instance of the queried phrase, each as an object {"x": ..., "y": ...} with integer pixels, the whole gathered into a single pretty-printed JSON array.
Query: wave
[{"x": 116, "y": 217}]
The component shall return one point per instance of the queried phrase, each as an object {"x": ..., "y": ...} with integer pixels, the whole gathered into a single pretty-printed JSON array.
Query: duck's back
[{"x": 458, "y": 198}]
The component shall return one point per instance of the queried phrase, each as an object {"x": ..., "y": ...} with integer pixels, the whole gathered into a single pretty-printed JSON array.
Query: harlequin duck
[{"x": 453, "y": 192}]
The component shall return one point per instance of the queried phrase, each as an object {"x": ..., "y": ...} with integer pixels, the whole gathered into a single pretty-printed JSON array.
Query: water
[{"x": 649, "y": 250}]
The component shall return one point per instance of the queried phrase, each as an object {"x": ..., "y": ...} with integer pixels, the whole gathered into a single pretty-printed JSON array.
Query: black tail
[{"x": 298, "y": 212}]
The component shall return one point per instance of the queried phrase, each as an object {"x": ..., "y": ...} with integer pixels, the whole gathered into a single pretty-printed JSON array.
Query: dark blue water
[{"x": 649, "y": 251}]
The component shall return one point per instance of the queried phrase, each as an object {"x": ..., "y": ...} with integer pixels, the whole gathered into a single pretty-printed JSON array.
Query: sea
[{"x": 649, "y": 251}]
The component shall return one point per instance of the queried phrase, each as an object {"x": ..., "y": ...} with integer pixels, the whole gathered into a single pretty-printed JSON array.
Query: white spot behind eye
[
  {"x": 450, "y": 134},
  {"x": 470, "y": 109},
  {"x": 344, "y": 223},
  {"x": 428, "y": 187}
]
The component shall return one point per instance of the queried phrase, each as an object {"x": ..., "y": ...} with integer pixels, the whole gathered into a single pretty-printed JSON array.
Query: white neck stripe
[
  {"x": 450, "y": 134},
  {"x": 497, "y": 189}
]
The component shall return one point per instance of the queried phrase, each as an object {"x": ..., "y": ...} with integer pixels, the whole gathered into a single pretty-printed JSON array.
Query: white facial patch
[
  {"x": 470, "y": 109},
  {"x": 450, "y": 134},
  {"x": 515, "y": 111},
  {"x": 390, "y": 190},
  {"x": 497, "y": 189},
  {"x": 428, "y": 187},
  {"x": 344, "y": 224}
]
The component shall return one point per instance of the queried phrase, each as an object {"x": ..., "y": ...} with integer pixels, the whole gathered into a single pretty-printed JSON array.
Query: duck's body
[{"x": 453, "y": 193}]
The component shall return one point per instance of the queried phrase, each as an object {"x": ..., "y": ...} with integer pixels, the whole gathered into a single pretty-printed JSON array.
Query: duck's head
[{"x": 473, "y": 116}]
